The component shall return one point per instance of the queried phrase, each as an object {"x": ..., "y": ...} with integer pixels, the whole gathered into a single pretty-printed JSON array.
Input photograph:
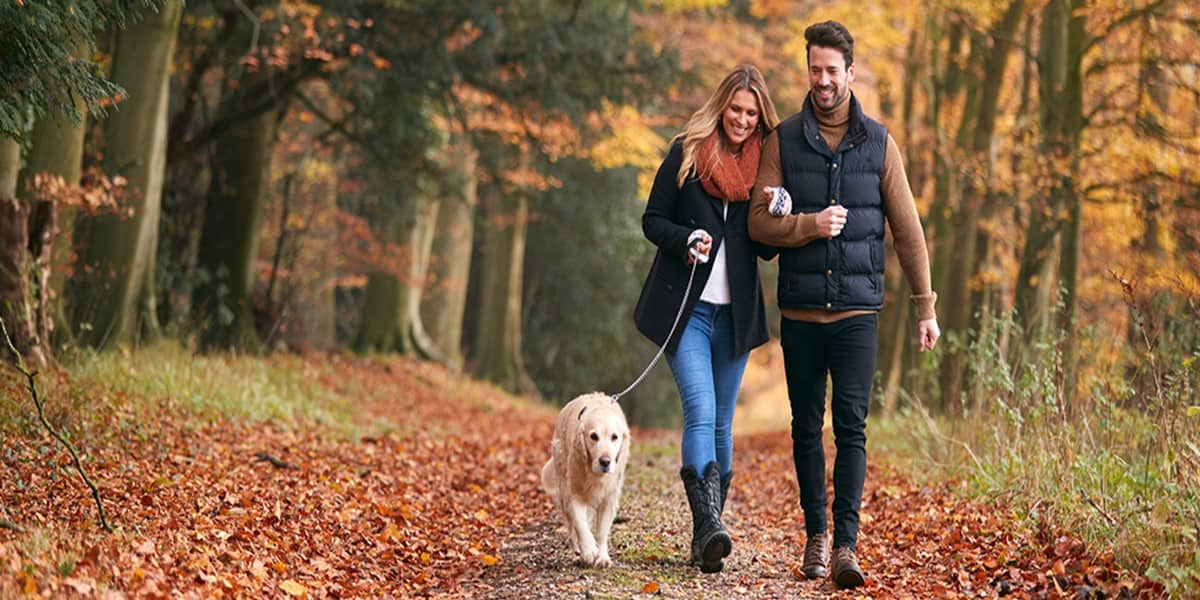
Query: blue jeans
[{"x": 708, "y": 376}]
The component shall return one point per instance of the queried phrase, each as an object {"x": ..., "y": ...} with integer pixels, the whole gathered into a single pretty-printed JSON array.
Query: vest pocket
[{"x": 876, "y": 264}]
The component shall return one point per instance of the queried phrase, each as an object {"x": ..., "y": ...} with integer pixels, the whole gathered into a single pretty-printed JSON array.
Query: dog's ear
[{"x": 581, "y": 445}]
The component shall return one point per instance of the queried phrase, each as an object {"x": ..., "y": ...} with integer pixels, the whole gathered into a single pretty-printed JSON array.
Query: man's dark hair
[{"x": 831, "y": 34}]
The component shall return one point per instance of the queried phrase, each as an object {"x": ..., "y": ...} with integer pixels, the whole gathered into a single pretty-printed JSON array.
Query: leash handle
[{"x": 646, "y": 371}]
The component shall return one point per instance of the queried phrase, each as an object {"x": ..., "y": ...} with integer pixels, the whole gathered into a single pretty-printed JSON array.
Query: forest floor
[{"x": 433, "y": 491}]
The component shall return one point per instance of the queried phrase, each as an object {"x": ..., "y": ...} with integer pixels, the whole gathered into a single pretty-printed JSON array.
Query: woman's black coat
[{"x": 672, "y": 214}]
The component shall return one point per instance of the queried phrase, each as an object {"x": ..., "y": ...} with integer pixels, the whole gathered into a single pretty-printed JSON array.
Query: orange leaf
[
  {"x": 489, "y": 560},
  {"x": 1059, "y": 568},
  {"x": 650, "y": 588}
]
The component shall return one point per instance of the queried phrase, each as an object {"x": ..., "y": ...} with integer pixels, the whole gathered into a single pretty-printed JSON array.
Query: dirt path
[
  {"x": 649, "y": 548},
  {"x": 916, "y": 542}
]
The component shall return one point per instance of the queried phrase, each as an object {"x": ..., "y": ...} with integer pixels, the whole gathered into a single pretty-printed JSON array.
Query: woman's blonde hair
[{"x": 708, "y": 118}]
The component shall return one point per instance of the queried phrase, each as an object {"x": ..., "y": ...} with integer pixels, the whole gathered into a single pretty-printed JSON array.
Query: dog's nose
[{"x": 605, "y": 462}]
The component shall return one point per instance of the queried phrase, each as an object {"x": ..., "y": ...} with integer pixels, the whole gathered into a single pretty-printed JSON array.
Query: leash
[{"x": 646, "y": 371}]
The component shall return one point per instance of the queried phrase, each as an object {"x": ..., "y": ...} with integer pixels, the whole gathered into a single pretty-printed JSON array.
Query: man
[{"x": 845, "y": 176}]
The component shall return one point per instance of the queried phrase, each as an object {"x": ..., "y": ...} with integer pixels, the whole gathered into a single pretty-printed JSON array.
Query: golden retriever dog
[{"x": 586, "y": 471}]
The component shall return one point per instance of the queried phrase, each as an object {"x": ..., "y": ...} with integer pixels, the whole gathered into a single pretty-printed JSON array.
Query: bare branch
[{"x": 40, "y": 404}]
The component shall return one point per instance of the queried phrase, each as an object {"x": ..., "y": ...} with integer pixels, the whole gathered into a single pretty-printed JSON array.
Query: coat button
[
  {"x": 829, "y": 271},
  {"x": 828, "y": 305},
  {"x": 835, "y": 165},
  {"x": 833, "y": 200}
]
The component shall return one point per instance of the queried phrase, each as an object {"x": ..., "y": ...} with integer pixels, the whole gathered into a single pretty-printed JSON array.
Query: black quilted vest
[{"x": 845, "y": 273}]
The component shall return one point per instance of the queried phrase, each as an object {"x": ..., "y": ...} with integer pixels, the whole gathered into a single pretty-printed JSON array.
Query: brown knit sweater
[{"x": 791, "y": 231}]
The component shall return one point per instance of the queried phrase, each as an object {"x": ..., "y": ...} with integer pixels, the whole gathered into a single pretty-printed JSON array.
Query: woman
[{"x": 697, "y": 212}]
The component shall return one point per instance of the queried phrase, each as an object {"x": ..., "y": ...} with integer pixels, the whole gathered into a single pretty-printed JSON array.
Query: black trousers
[{"x": 845, "y": 351}]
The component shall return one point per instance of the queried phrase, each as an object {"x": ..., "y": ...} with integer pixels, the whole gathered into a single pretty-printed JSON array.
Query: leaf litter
[{"x": 445, "y": 503}]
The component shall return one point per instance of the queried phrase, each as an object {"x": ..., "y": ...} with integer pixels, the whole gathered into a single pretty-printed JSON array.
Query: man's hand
[
  {"x": 928, "y": 333},
  {"x": 831, "y": 221}
]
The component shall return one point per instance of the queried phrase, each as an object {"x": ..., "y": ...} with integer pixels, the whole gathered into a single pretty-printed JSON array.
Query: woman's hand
[
  {"x": 779, "y": 202},
  {"x": 699, "y": 245}
]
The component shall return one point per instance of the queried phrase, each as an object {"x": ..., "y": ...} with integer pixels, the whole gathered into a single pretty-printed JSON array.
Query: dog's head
[{"x": 604, "y": 435}]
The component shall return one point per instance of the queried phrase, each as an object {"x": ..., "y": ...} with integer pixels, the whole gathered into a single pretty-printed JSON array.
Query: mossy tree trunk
[
  {"x": 117, "y": 250},
  {"x": 56, "y": 148},
  {"x": 497, "y": 344},
  {"x": 445, "y": 300},
  {"x": 391, "y": 320},
  {"x": 228, "y": 250}
]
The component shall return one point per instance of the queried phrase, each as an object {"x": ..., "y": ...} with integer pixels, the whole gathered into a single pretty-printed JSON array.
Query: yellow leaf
[
  {"x": 293, "y": 588},
  {"x": 392, "y": 532},
  {"x": 481, "y": 515},
  {"x": 425, "y": 558},
  {"x": 489, "y": 560}
]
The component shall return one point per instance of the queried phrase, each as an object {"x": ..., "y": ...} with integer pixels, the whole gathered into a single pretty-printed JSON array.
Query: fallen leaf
[
  {"x": 650, "y": 588},
  {"x": 80, "y": 586},
  {"x": 293, "y": 588}
]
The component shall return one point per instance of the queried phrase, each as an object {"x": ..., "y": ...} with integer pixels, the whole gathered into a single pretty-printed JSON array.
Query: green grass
[
  {"x": 1116, "y": 478},
  {"x": 134, "y": 387},
  {"x": 1118, "y": 469},
  {"x": 168, "y": 375}
]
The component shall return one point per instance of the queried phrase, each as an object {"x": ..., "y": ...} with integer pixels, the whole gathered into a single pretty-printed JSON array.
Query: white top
[{"x": 716, "y": 291}]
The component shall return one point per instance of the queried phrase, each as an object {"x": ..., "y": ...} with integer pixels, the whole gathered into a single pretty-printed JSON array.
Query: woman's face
[{"x": 740, "y": 118}]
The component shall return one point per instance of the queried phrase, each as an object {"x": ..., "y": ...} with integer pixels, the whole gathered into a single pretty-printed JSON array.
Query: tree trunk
[
  {"x": 312, "y": 324},
  {"x": 117, "y": 250},
  {"x": 391, "y": 316},
  {"x": 1060, "y": 91},
  {"x": 241, "y": 172},
  {"x": 15, "y": 307},
  {"x": 380, "y": 328},
  {"x": 56, "y": 148},
  {"x": 970, "y": 240},
  {"x": 893, "y": 320},
  {"x": 1151, "y": 245},
  {"x": 497, "y": 345},
  {"x": 943, "y": 84},
  {"x": 445, "y": 299}
]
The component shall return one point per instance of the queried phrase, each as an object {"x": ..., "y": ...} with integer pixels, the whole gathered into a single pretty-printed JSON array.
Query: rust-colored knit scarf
[{"x": 728, "y": 177}]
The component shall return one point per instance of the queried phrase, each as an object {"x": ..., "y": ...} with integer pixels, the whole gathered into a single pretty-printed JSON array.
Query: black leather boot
[
  {"x": 725, "y": 481},
  {"x": 710, "y": 541}
]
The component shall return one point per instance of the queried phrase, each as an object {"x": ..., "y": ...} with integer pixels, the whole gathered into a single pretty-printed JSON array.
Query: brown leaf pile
[
  {"x": 920, "y": 541},
  {"x": 225, "y": 509},
  {"x": 200, "y": 510}
]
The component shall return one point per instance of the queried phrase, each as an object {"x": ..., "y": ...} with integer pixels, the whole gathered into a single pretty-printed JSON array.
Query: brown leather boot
[
  {"x": 846, "y": 572},
  {"x": 816, "y": 556}
]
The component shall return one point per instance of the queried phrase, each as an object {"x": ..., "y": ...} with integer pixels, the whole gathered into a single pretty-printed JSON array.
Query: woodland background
[{"x": 463, "y": 182}]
